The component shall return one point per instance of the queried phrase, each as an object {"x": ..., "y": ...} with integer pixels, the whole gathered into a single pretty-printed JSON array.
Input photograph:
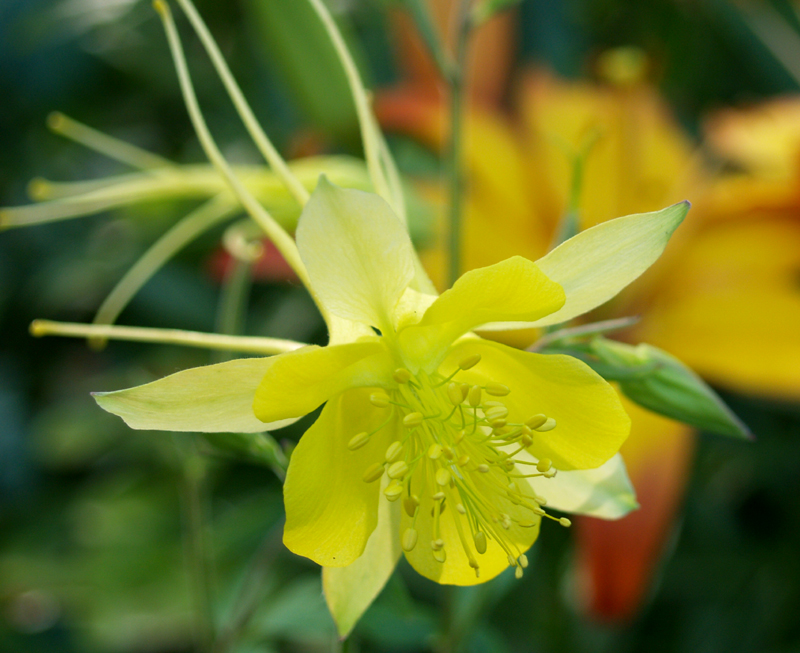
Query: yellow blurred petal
[
  {"x": 591, "y": 423},
  {"x": 295, "y": 385},
  {"x": 359, "y": 256},
  {"x": 210, "y": 399},
  {"x": 330, "y": 511},
  {"x": 350, "y": 590}
]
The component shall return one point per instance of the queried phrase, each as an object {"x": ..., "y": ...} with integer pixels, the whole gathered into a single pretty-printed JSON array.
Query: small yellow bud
[
  {"x": 496, "y": 389},
  {"x": 454, "y": 394},
  {"x": 413, "y": 419},
  {"x": 442, "y": 476},
  {"x": 470, "y": 361},
  {"x": 379, "y": 399},
  {"x": 401, "y": 375},
  {"x": 410, "y": 505},
  {"x": 536, "y": 421},
  {"x": 397, "y": 470},
  {"x": 409, "y": 539},
  {"x": 373, "y": 473},
  {"x": 549, "y": 425},
  {"x": 394, "y": 451},
  {"x": 544, "y": 464},
  {"x": 480, "y": 542},
  {"x": 394, "y": 490},
  {"x": 474, "y": 396},
  {"x": 358, "y": 441}
]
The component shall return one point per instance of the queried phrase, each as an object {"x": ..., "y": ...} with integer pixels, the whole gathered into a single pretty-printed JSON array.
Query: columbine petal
[
  {"x": 350, "y": 590},
  {"x": 358, "y": 254},
  {"x": 596, "y": 264},
  {"x": 591, "y": 423},
  {"x": 605, "y": 492},
  {"x": 512, "y": 290},
  {"x": 210, "y": 399},
  {"x": 299, "y": 381},
  {"x": 330, "y": 511}
]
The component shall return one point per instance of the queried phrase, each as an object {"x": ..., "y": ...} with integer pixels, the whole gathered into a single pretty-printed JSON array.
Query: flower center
[{"x": 458, "y": 449}]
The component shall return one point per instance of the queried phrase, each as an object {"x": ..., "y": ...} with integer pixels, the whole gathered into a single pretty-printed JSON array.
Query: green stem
[
  {"x": 427, "y": 31},
  {"x": 233, "y": 303},
  {"x": 454, "y": 166}
]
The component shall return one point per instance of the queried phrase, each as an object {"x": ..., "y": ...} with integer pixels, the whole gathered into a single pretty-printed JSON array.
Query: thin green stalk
[
  {"x": 427, "y": 30},
  {"x": 454, "y": 165},
  {"x": 233, "y": 302}
]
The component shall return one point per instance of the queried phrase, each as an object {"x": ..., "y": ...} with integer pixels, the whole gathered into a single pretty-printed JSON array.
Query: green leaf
[{"x": 671, "y": 388}]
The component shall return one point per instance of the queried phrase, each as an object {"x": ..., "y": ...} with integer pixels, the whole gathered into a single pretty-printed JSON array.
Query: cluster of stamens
[{"x": 458, "y": 446}]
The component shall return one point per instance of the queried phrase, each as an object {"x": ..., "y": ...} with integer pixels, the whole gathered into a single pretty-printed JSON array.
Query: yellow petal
[
  {"x": 591, "y": 423},
  {"x": 358, "y": 254},
  {"x": 512, "y": 290},
  {"x": 210, "y": 399},
  {"x": 456, "y": 570},
  {"x": 330, "y": 510},
  {"x": 595, "y": 265},
  {"x": 350, "y": 590},
  {"x": 297, "y": 384}
]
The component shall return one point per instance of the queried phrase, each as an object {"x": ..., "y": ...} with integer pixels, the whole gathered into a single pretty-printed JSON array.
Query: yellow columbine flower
[{"x": 431, "y": 440}]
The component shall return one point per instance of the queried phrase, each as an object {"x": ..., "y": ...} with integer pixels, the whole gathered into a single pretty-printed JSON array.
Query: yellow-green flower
[{"x": 431, "y": 440}]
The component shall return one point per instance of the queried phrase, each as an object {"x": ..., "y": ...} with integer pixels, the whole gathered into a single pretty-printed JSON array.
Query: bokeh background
[{"x": 102, "y": 529}]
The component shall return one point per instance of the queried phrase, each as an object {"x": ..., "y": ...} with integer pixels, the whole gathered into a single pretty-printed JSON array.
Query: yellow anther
[
  {"x": 526, "y": 524},
  {"x": 542, "y": 501},
  {"x": 549, "y": 425},
  {"x": 463, "y": 460},
  {"x": 394, "y": 490},
  {"x": 464, "y": 391},
  {"x": 373, "y": 473},
  {"x": 439, "y": 496},
  {"x": 398, "y": 469},
  {"x": 470, "y": 361},
  {"x": 518, "y": 573},
  {"x": 544, "y": 464},
  {"x": 480, "y": 542},
  {"x": 448, "y": 453},
  {"x": 496, "y": 412},
  {"x": 454, "y": 394},
  {"x": 401, "y": 375},
  {"x": 550, "y": 473},
  {"x": 410, "y": 505},
  {"x": 459, "y": 437},
  {"x": 437, "y": 544},
  {"x": 409, "y": 539},
  {"x": 461, "y": 509},
  {"x": 512, "y": 560},
  {"x": 566, "y": 523},
  {"x": 523, "y": 561},
  {"x": 538, "y": 511},
  {"x": 379, "y": 399},
  {"x": 474, "y": 396},
  {"x": 526, "y": 440},
  {"x": 483, "y": 468},
  {"x": 413, "y": 419},
  {"x": 434, "y": 451},
  {"x": 474, "y": 564},
  {"x": 358, "y": 441},
  {"x": 442, "y": 476},
  {"x": 394, "y": 451},
  {"x": 498, "y": 423},
  {"x": 440, "y": 556},
  {"x": 536, "y": 421},
  {"x": 496, "y": 389}
]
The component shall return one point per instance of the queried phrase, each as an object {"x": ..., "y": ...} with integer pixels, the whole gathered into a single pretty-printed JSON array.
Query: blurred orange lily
[{"x": 729, "y": 281}]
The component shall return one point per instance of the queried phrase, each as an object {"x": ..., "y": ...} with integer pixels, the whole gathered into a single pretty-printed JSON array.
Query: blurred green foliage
[{"x": 95, "y": 551}]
